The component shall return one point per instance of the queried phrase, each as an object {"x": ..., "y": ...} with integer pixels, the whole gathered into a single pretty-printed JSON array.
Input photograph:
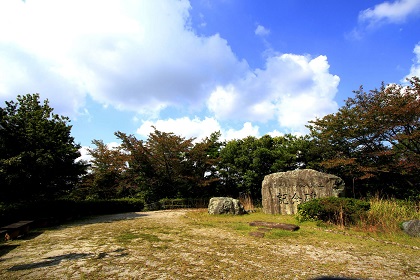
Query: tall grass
[
  {"x": 246, "y": 200},
  {"x": 386, "y": 215}
]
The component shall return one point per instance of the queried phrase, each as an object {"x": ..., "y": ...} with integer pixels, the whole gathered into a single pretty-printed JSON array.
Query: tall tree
[
  {"x": 245, "y": 162},
  {"x": 140, "y": 176},
  {"x": 201, "y": 167},
  {"x": 375, "y": 138},
  {"x": 108, "y": 167},
  {"x": 37, "y": 151},
  {"x": 167, "y": 165},
  {"x": 168, "y": 155}
]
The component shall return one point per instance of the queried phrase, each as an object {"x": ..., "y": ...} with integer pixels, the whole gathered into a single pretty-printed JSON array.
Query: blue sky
[{"x": 244, "y": 67}]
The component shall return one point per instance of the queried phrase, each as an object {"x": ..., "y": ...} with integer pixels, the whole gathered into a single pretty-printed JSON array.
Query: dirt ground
[{"x": 171, "y": 245}]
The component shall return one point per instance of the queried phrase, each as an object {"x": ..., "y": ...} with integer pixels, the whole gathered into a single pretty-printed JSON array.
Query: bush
[
  {"x": 336, "y": 210},
  {"x": 66, "y": 209},
  {"x": 173, "y": 203}
]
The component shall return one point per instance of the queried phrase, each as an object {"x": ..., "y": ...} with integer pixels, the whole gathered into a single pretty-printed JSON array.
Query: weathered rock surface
[
  {"x": 282, "y": 192},
  {"x": 225, "y": 205},
  {"x": 412, "y": 228}
]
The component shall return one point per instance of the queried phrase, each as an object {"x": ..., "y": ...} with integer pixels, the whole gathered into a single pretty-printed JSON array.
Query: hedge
[{"x": 66, "y": 209}]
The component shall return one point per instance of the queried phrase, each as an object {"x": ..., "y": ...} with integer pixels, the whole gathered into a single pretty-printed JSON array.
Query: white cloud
[
  {"x": 275, "y": 133},
  {"x": 197, "y": 128},
  {"x": 134, "y": 55},
  {"x": 144, "y": 56},
  {"x": 394, "y": 12},
  {"x": 262, "y": 31},
  {"x": 292, "y": 89},
  {"x": 415, "y": 68},
  {"x": 87, "y": 157},
  {"x": 222, "y": 101},
  {"x": 186, "y": 127},
  {"x": 84, "y": 155},
  {"x": 247, "y": 130}
]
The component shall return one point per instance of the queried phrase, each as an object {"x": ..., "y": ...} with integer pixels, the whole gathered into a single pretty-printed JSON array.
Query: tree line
[{"x": 372, "y": 142}]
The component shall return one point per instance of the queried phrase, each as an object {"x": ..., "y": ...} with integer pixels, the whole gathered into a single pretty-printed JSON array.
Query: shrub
[
  {"x": 336, "y": 210},
  {"x": 66, "y": 208},
  {"x": 173, "y": 203}
]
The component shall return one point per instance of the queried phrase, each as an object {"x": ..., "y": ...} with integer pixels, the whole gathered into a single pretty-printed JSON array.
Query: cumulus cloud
[
  {"x": 198, "y": 128},
  {"x": 144, "y": 56},
  {"x": 186, "y": 127},
  {"x": 387, "y": 12},
  {"x": 247, "y": 130},
  {"x": 133, "y": 55},
  {"x": 415, "y": 68},
  {"x": 292, "y": 89}
]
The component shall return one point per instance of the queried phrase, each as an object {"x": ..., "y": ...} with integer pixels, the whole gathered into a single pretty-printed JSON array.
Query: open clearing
[{"x": 190, "y": 244}]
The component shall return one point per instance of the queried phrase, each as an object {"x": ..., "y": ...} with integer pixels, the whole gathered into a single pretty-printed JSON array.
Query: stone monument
[{"x": 282, "y": 192}]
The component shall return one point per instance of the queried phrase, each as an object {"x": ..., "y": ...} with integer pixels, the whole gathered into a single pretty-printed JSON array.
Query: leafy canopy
[
  {"x": 37, "y": 152},
  {"x": 375, "y": 138}
]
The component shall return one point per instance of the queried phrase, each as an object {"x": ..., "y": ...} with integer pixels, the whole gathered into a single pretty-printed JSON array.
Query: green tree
[
  {"x": 140, "y": 177},
  {"x": 164, "y": 166},
  {"x": 168, "y": 154},
  {"x": 201, "y": 167},
  {"x": 37, "y": 152},
  {"x": 374, "y": 140},
  {"x": 245, "y": 162},
  {"x": 108, "y": 166}
]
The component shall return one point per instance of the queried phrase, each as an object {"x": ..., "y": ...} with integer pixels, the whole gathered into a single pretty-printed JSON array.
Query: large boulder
[
  {"x": 225, "y": 205},
  {"x": 412, "y": 228},
  {"x": 282, "y": 192}
]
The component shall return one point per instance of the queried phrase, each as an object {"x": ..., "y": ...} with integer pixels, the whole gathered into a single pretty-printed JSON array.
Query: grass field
[{"x": 190, "y": 244}]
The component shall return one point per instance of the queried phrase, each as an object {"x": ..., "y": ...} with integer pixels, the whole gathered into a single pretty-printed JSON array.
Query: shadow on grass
[
  {"x": 6, "y": 248},
  {"x": 49, "y": 261},
  {"x": 31, "y": 235},
  {"x": 109, "y": 218},
  {"x": 56, "y": 260}
]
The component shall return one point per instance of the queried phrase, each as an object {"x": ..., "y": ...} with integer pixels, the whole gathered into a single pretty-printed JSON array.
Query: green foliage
[
  {"x": 336, "y": 210},
  {"x": 373, "y": 141},
  {"x": 173, "y": 203},
  {"x": 170, "y": 166},
  {"x": 37, "y": 152},
  {"x": 107, "y": 169},
  {"x": 166, "y": 165},
  {"x": 245, "y": 162}
]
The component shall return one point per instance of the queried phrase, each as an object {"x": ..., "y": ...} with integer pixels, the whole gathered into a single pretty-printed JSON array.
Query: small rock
[
  {"x": 412, "y": 228},
  {"x": 225, "y": 205}
]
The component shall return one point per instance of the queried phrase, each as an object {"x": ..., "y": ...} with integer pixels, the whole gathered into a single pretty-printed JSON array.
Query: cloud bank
[{"x": 144, "y": 56}]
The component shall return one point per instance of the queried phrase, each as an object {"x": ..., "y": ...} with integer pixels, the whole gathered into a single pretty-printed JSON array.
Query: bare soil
[{"x": 177, "y": 244}]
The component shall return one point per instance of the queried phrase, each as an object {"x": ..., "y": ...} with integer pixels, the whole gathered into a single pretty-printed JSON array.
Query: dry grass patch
[{"x": 190, "y": 244}]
